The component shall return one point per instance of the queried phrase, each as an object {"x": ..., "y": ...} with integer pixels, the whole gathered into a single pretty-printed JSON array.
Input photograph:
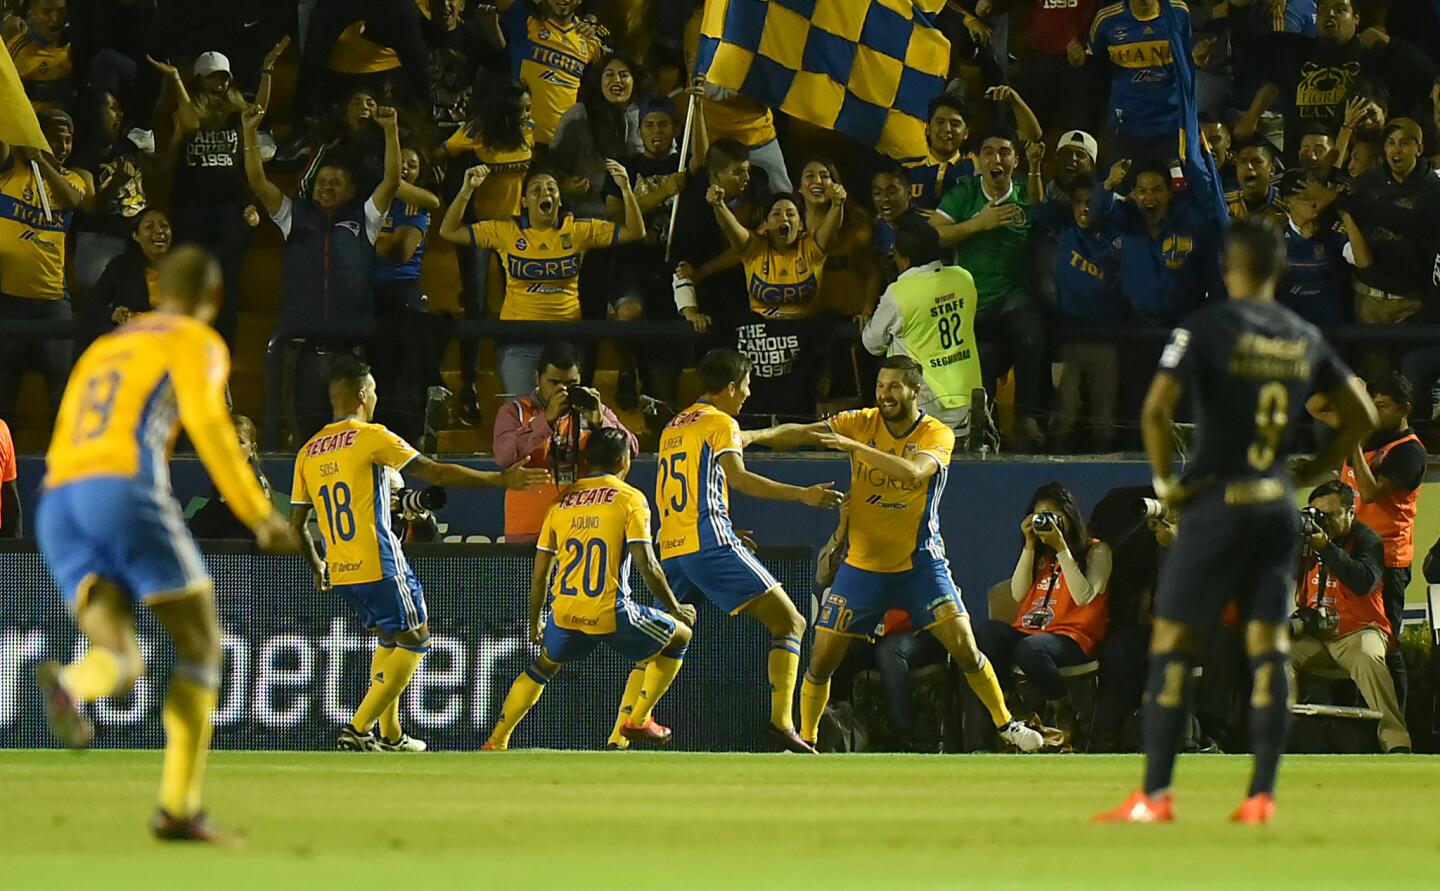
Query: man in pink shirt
[{"x": 549, "y": 426}]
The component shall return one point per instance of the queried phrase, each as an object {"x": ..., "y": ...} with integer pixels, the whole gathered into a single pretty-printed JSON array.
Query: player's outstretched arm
[
  {"x": 516, "y": 476},
  {"x": 1357, "y": 421},
  {"x": 539, "y": 582},
  {"x": 785, "y": 436},
  {"x": 910, "y": 471},
  {"x": 643, "y": 553},
  {"x": 756, "y": 486},
  {"x": 300, "y": 522}
]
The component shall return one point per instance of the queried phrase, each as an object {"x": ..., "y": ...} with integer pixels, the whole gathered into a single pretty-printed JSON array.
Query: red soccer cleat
[
  {"x": 1255, "y": 810},
  {"x": 1140, "y": 808},
  {"x": 652, "y": 732},
  {"x": 491, "y": 747},
  {"x": 187, "y": 829}
]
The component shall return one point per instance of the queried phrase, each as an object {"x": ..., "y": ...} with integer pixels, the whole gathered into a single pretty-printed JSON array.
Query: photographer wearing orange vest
[
  {"x": 1386, "y": 472},
  {"x": 1340, "y": 618}
]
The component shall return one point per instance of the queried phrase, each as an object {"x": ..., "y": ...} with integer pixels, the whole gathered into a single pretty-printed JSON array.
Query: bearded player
[{"x": 899, "y": 458}]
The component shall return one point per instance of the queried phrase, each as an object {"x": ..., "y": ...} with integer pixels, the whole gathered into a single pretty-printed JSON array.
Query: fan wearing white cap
[{"x": 1075, "y": 155}]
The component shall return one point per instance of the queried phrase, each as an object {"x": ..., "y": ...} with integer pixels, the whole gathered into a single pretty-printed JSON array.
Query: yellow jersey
[
  {"x": 542, "y": 266},
  {"x": 343, "y": 466},
  {"x": 37, "y": 61},
  {"x": 356, "y": 53},
  {"x": 550, "y": 58},
  {"x": 590, "y": 529},
  {"x": 690, "y": 487},
  {"x": 890, "y": 522},
  {"x": 782, "y": 283},
  {"x": 32, "y": 248},
  {"x": 500, "y": 194},
  {"x": 128, "y": 394}
]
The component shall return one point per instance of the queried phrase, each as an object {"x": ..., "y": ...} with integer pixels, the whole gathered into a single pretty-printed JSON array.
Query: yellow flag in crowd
[{"x": 18, "y": 124}]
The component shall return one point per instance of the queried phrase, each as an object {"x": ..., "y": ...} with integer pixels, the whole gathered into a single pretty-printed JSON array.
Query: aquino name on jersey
[{"x": 590, "y": 529}]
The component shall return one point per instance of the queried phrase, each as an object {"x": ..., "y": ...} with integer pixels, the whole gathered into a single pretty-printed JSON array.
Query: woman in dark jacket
[{"x": 127, "y": 286}]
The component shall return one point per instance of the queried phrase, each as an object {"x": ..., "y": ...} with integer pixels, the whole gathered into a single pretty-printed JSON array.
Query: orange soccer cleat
[
  {"x": 1140, "y": 808},
  {"x": 1255, "y": 810},
  {"x": 651, "y": 732}
]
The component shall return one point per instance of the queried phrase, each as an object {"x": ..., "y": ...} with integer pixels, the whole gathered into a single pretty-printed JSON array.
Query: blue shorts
[
  {"x": 640, "y": 633},
  {"x": 729, "y": 577},
  {"x": 858, "y": 600},
  {"x": 117, "y": 530},
  {"x": 391, "y": 605}
]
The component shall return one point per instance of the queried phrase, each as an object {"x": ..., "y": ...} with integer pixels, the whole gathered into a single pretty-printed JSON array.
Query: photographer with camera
[
  {"x": 1061, "y": 582},
  {"x": 1340, "y": 617},
  {"x": 549, "y": 426}
]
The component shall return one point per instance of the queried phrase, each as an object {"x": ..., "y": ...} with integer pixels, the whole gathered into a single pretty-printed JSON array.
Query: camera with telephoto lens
[
  {"x": 413, "y": 503},
  {"x": 581, "y": 400},
  {"x": 1152, "y": 509},
  {"x": 1308, "y": 621},
  {"x": 1045, "y": 520},
  {"x": 1311, "y": 521}
]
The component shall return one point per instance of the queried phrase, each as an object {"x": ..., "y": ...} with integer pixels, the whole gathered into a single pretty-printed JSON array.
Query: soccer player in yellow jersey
[
  {"x": 782, "y": 261},
  {"x": 594, "y": 530},
  {"x": 113, "y": 535},
  {"x": 896, "y": 559},
  {"x": 700, "y": 458},
  {"x": 341, "y": 472}
]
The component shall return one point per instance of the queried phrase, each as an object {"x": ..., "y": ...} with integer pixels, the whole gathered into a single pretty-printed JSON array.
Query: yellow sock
[
  {"x": 633, "y": 685},
  {"x": 390, "y": 718},
  {"x": 784, "y": 668},
  {"x": 813, "y": 696},
  {"x": 986, "y": 686},
  {"x": 523, "y": 695},
  {"x": 188, "y": 707},
  {"x": 658, "y": 677},
  {"x": 97, "y": 674},
  {"x": 386, "y": 687}
]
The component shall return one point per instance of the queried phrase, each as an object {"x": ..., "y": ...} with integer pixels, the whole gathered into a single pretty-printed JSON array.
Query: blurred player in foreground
[
  {"x": 595, "y": 529},
  {"x": 113, "y": 535},
  {"x": 896, "y": 558},
  {"x": 343, "y": 466},
  {"x": 1248, "y": 365},
  {"x": 700, "y": 458}
]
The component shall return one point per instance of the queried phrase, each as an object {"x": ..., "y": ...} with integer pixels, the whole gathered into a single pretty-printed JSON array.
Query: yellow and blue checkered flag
[{"x": 867, "y": 68}]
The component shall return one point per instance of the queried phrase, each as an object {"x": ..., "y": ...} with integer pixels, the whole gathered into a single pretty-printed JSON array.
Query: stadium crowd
[
  {"x": 543, "y": 138},
  {"x": 537, "y": 134}
]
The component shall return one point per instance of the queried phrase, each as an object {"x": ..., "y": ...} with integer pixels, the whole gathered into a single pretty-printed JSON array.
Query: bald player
[{"x": 114, "y": 536}]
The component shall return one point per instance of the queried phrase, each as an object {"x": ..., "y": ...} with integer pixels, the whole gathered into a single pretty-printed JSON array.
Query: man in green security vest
[{"x": 928, "y": 314}]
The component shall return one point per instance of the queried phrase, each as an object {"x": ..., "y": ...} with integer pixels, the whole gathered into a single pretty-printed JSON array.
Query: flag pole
[
  {"x": 40, "y": 188},
  {"x": 690, "y": 112}
]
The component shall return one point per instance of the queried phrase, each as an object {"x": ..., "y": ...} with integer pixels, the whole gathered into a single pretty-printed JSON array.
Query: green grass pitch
[{"x": 541, "y": 820}]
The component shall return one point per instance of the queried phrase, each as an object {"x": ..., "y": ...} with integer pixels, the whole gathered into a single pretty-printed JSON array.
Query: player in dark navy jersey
[{"x": 1248, "y": 365}]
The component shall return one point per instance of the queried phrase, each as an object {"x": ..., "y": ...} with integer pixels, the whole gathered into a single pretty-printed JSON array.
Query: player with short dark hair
[
  {"x": 596, "y": 528},
  {"x": 900, "y": 458},
  {"x": 1248, "y": 366},
  {"x": 343, "y": 465},
  {"x": 700, "y": 458},
  {"x": 114, "y": 537}
]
